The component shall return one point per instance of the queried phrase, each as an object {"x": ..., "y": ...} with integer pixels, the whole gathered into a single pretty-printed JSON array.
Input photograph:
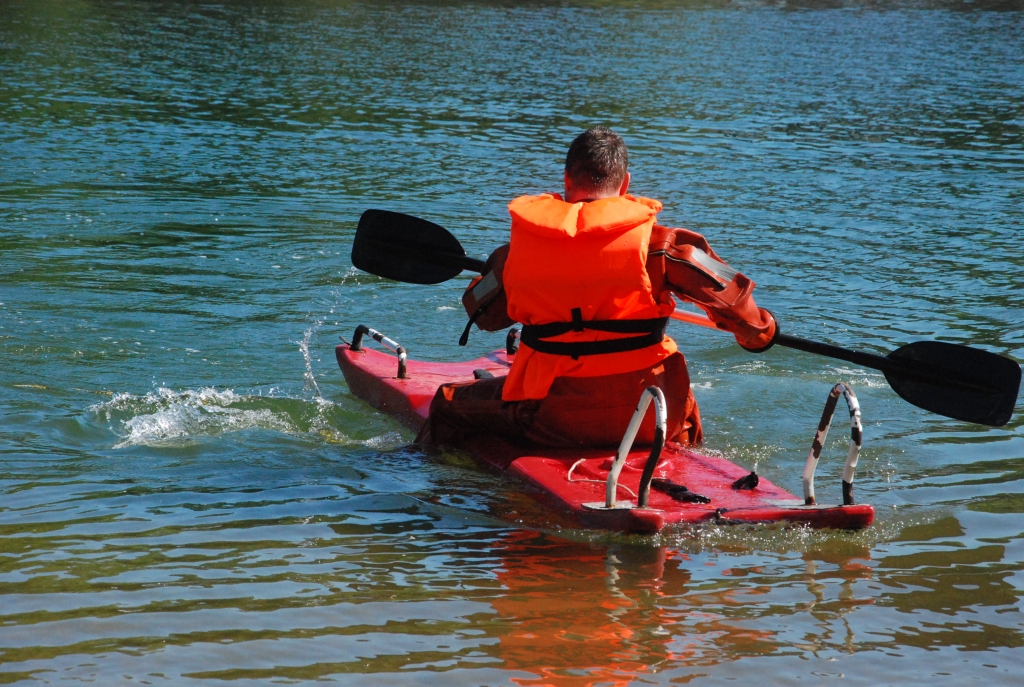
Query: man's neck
[
  {"x": 586, "y": 197},
  {"x": 578, "y": 194}
]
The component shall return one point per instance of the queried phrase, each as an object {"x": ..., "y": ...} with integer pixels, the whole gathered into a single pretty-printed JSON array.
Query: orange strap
[{"x": 693, "y": 318}]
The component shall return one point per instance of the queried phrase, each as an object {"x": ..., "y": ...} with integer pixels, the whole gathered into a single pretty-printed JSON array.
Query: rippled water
[{"x": 189, "y": 494}]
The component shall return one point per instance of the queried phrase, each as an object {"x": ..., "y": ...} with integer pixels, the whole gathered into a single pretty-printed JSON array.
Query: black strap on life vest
[
  {"x": 464, "y": 339},
  {"x": 653, "y": 331}
]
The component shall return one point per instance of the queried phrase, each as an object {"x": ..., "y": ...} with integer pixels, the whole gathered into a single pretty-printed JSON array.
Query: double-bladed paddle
[{"x": 957, "y": 381}]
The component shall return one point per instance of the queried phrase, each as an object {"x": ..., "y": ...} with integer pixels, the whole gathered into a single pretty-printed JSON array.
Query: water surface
[{"x": 189, "y": 493}]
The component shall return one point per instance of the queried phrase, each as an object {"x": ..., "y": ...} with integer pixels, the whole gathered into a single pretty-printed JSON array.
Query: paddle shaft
[
  {"x": 875, "y": 362},
  {"x": 957, "y": 381},
  {"x": 872, "y": 360},
  {"x": 919, "y": 372}
]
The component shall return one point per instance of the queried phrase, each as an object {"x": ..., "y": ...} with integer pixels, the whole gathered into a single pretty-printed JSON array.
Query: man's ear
[
  {"x": 625, "y": 185},
  {"x": 568, "y": 183}
]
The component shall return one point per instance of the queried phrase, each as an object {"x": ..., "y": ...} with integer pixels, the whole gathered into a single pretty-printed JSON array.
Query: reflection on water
[
  {"x": 314, "y": 581},
  {"x": 189, "y": 494}
]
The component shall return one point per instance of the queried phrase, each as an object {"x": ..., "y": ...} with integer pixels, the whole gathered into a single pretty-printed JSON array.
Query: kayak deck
[{"x": 575, "y": 479}]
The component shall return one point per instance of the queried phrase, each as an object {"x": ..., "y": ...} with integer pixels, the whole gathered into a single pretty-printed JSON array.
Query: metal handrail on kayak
[
  {"x": 357, "y": 344},
  {"x": 651, "y": 393},
  {"x": 856, "y": 439}
]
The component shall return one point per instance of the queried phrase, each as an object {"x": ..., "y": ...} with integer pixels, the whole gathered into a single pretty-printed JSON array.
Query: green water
[{"x": 189, "y": 494}]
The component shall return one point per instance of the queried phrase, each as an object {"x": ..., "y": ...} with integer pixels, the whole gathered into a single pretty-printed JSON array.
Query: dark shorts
[{"x": 577, "y": 412}]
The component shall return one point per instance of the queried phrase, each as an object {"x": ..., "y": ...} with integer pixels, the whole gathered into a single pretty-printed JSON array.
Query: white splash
[
  {"x": 861, "y": 377},
  {"x": 166, "y": 417},
  {"x": 308, "y": 375},
  {"x": 750, "y": 366}
]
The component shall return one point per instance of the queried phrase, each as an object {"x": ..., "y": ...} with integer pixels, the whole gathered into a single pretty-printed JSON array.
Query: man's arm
[
  {"x": 484, "y": 298},
  {"x": 681, "y": 262}
]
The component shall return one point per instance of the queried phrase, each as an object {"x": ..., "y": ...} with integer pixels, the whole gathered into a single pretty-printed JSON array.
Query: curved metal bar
[
  {"x": 856, "y": 440},
  {"x": 651, "y": 393},
  {"x": 357, "y": 338},
  {"x": 357, "y": 344},
  {"x": 660, "y": 419}
]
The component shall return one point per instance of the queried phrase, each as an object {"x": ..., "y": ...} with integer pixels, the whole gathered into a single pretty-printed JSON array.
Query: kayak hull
[{"x": 574, "y": 480}]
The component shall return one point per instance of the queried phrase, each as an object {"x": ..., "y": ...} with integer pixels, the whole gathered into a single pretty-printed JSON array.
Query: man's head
[{"x": 596, "y": 166}]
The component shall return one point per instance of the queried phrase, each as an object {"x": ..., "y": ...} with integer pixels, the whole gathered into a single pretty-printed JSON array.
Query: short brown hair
[{"x": 597, "y": 160}]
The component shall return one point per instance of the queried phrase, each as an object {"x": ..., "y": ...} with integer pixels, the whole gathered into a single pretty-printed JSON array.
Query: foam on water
[
  {"x": 859, "y": 377},
  {"x": 165, "y": 417},
  {"x": 309, "y": 377}
]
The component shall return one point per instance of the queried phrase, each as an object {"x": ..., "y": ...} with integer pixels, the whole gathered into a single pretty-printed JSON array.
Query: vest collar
[{"x": 549, "y": 215}]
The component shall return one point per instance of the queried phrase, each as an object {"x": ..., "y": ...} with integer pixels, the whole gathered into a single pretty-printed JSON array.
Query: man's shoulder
[{"x": 676, "y": 233}]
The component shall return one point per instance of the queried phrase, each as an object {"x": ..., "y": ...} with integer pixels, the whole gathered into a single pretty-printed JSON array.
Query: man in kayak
[{"x": 591, "y": 278}]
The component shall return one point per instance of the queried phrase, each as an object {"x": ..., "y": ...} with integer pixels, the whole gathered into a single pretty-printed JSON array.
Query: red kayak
[{"x": 648, "y": 489}]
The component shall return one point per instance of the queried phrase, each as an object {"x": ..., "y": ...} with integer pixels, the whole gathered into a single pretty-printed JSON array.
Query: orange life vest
[{"x": 571, "y": 265}]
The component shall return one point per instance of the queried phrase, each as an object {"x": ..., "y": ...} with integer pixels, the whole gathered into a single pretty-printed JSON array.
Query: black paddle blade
[
  {"x": 975, "y": 386},
  {"x": 406, "y": 248}
]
